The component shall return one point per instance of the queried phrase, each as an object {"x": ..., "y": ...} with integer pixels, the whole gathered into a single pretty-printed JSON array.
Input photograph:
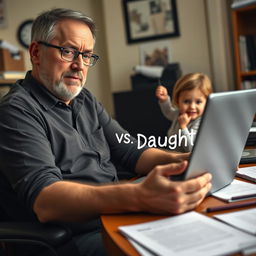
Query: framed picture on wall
[
  {"x": 155, "y": 53},
  {"x": 150, "y": 19}
]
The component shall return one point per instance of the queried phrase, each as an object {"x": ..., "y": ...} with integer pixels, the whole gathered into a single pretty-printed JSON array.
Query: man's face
[{"x": 62, "y": 78}]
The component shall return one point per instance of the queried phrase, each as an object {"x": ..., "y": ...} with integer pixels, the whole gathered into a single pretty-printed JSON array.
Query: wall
[
  {"x": 196, "y": 49},
  {"x": 190, "y": 49},
  {"x": 220, "y": 39},
  {"x": 20, "y": 10}
]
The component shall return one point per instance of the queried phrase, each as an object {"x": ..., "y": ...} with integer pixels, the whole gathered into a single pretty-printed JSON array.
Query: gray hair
[{"x": 44, "y": 24}]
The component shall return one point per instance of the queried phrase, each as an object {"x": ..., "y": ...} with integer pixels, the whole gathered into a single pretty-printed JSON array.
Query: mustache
[{"x": 76, "y": 74}]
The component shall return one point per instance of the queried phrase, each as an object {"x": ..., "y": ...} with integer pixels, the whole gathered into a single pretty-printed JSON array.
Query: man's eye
[
  {"x": 68, "y": 52},
  {"x": 86, "y": 56},
  {"x": 198, "y": 102},
  {"x": 186, "y": 101}
]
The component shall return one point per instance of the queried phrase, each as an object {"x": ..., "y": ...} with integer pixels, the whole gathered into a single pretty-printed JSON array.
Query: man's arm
[
  {"x": 69, "y": 201},
  {"x": 153, "y": 156}
]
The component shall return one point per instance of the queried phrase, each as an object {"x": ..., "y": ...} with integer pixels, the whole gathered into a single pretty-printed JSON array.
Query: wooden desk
[{"x": 118, "y": 245}]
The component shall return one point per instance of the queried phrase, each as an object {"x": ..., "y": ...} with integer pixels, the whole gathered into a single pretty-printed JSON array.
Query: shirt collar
[{"x": 45, "y": 98}]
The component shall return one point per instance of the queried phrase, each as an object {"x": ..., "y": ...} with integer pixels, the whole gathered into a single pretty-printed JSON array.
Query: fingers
[
  {"x": 178, "y": 157},
  {"x": 184, "y": 117},
  {"x": 173, "y": 169},
  {"x": 171, "y": 197},
  {"x": 185, "y": 156},
  {"x": 196, "y": 184},
  {"x": 195, "y": 191},
  {"x": 184, "y": 120},
  {"x": 196, "y": 198},
  {"x": 161, "y": 92}
]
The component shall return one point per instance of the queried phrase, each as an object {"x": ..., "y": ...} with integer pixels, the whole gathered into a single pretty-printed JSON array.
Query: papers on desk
[
  {"x": 245, "y": 220},
  {"x": 141, "y": 250},
  {"x": 236, "y": 191},
  {"x": 248, "y": 173},
  {"x": 188, "y": 234}
]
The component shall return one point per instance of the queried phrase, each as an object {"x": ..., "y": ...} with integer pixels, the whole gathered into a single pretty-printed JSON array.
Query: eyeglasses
[{"x": 71, "y": 54}]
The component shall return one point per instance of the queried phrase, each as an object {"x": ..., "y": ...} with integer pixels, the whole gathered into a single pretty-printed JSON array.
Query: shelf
[
  {"x": 248, "y": 73},
  {"x": 243, "y": 24},
  {"x": 7, "y": 81}
]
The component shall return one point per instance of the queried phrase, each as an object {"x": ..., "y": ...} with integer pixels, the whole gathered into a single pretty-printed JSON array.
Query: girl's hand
[
  {"x": 161, "y": 93},
  {"x": 184, "y": 120}
]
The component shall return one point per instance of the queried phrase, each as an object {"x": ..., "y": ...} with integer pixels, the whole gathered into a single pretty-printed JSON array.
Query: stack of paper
[
  {"x": 188, "y": 234},
  {"x": 244, "y": 220},
  {"x": 248, "y": 173},
  {"x": 236, "y": 191}
]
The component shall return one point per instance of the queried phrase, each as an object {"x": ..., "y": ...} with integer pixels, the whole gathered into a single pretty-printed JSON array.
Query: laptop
[{"x": 221, "y": 137}]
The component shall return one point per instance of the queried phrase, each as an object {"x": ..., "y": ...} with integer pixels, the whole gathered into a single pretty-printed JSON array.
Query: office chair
[{"x": 56, "y": 239}]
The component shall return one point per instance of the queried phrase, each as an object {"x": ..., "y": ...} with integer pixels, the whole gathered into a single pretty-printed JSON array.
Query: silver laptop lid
[{"x": 222, "y": 135}]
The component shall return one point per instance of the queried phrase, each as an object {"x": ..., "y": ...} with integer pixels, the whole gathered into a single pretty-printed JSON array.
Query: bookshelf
[{"x": 243, "y": 25}]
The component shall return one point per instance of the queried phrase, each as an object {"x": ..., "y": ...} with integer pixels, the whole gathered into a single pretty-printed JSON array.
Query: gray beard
[
  {"x": 61, "y": 92},
  {"x": 59, "y": 89}
]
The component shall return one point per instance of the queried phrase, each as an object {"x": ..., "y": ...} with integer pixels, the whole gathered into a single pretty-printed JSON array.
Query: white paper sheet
[
  {"x": 188, "y": 234},
  {"x": 236, "y": 189},
  {"x": 141, "y": 250},
  {"x": 245, "y": 219},
  {"x": 248, "y": 173}
]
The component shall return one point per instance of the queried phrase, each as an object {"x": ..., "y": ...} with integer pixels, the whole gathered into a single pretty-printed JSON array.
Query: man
[{"x": 57, "y": 143}]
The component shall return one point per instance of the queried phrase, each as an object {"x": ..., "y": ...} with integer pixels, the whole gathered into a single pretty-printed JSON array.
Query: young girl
[{"x": 188, "y": 102}]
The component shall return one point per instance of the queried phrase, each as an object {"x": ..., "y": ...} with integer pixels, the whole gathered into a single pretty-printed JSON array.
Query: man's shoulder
[
  {"x": 17, "y": 96},
  {"x": 87, "y": 97},
  {"x": 85, "y": 93}
]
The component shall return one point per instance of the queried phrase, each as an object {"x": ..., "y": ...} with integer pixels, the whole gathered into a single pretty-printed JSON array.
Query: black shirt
[{"x": 43, "y": 140}]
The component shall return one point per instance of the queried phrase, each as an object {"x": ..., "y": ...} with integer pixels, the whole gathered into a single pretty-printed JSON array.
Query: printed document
[
  {"x": 248, "y": 173},
  {"x": 188, "y": 234},
  {"x": 236, "y": 191},
  {"x": 245, "y": 220},
  {"x": 141, "y": 250}
]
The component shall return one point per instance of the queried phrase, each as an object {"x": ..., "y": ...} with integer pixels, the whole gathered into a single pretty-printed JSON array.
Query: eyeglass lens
[{"x": 70, "y": 54}]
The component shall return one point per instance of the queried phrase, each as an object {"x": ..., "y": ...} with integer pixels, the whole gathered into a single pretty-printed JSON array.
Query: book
[
  {"x": 190, "y": 233},
  {"x": 251, "y": 51},
  {"x": 12, "y": 74},
  {"x": 244, "y": 59},
  {"x": 248, "y": 173}
]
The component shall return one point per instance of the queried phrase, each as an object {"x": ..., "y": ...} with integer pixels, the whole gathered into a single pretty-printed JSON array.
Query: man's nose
[{"x": 78, "y": 63}]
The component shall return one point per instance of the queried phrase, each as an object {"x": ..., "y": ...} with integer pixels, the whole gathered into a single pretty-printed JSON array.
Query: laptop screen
[{"x": 222, "y": 135}]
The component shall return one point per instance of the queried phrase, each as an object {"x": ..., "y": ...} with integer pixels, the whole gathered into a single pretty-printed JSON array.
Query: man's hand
[
  {"x": 177, "y": 157},
  {"x": 161, "y": 93},
  {"x": 158, "y": 194}
]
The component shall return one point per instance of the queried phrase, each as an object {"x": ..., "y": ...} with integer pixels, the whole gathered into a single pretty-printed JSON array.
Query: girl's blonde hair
[{"x": 189, "y": 82}]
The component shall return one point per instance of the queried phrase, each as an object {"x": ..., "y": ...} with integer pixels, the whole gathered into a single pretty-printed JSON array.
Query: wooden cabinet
[
  {"x": 7, "y": 82},
  {"x": 243, "y": 24}
]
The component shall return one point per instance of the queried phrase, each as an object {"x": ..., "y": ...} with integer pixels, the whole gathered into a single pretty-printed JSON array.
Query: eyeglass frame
[{"x": 76, "y": 53}]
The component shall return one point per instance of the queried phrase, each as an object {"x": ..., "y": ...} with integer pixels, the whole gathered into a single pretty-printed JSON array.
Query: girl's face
[{"x": 192, "y": 102}]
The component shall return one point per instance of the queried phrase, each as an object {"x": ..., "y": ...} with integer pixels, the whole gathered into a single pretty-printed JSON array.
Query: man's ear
[{"x": 34, "y": 52}]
